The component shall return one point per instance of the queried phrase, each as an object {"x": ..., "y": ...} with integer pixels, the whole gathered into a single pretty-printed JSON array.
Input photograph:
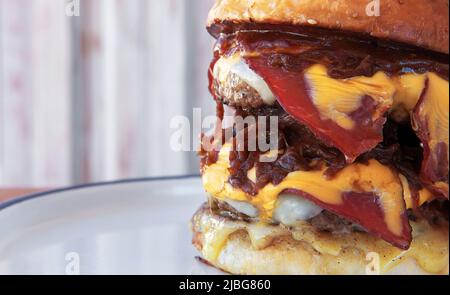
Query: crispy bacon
[
  {"x": 365, "y": 210},
  {"x": 292, "y": 93}
]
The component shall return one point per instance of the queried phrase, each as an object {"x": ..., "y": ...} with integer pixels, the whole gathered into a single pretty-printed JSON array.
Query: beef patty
[
  {"x": 435, "y": 212},
  {"x": 325, "y": 221}
]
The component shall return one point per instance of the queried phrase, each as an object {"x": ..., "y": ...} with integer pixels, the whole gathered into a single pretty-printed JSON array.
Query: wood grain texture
[
  {"x": 90, "y": 98},
  {"x": 35, "y": 95},
  {"x": 199, "y": 54}
]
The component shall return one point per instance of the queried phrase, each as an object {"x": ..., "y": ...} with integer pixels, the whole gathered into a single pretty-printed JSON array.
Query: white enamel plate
[{"x": 132, "y": 227}]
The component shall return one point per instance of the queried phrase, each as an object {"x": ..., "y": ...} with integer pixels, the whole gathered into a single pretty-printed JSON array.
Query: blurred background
[{"x": 89, "y": 98}]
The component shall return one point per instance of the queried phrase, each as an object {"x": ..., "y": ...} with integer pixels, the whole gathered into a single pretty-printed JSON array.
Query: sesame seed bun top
[{"x": 422, "y": 23}]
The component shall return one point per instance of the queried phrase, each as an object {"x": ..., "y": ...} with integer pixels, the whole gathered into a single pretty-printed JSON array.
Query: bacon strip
[
  {"x": 364, "y": 209},
  {"x": 292, "y": 93}
]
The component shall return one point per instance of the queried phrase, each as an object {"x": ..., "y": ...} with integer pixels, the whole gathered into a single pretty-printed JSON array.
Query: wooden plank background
[{"x": 90, "y": 98}]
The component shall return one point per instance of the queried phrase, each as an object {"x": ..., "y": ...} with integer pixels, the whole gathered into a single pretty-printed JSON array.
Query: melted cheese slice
[
  {"x": 355, "y": 177},
  {"x": 409, "y": 89},
  {"x": 435, "y": 110},
  {"x": 290, "y": 210},
  {"x": 424, "y": 194},
  {"x": 336, "y": 99}
]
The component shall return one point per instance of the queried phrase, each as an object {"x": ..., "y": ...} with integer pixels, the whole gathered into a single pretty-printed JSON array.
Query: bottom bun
[{"x": 239, "y": 247}]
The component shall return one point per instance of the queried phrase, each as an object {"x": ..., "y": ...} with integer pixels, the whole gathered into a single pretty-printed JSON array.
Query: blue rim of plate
[{"x": 25, "y": 198}]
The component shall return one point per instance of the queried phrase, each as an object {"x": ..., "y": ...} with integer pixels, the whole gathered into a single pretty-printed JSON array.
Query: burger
[{"x": 358, "y": 180}]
